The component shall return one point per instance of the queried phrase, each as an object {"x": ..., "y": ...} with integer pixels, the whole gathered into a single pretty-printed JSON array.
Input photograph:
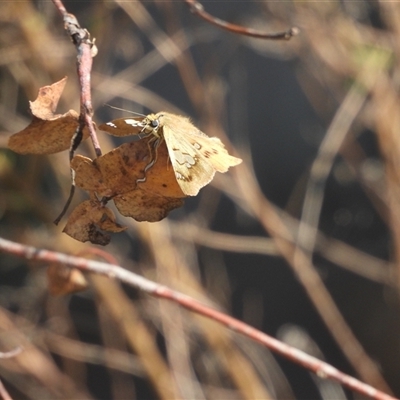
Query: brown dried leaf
[
  {"x": 47, "y": 100},
  {"x": 91, "y": 221},
  {"x": 116, "y": 174},
  {"x": 145, "y": 206},
  {"x": 64, "y": 280},
  {"x": 48, "y": 133},
  {"x": 87, "y": 176}
]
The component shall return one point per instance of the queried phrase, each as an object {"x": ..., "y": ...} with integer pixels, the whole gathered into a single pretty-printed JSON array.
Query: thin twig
[
  {"x": 86, "y": 50},
  {"x": 198, "y": 9},
  {"x": 336, "y": 251},
  {"x": 308, "y": 228},
  {"x": 75, "y": 141},
  {"x": 313, "y": 364},
  {"x": 336, "y": 134}
]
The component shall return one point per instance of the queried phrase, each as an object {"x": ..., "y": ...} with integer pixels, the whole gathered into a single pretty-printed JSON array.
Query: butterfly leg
[
  {"x": 104, "y": 200},
  {"x": 156, "y": 143}
]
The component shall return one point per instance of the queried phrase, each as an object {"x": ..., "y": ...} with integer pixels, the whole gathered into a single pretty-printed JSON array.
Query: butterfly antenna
[{"x": 123, "y": 109}]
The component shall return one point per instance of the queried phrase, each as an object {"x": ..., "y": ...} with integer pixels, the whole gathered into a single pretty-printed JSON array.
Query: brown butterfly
[{"x": 195, "y": 157}]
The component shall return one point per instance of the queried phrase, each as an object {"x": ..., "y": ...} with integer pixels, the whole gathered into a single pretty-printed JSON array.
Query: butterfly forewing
[{"x": 123, "y": 126}]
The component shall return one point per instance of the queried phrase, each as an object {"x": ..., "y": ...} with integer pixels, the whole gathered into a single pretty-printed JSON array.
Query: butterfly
[{"x": 195, "y": 157}]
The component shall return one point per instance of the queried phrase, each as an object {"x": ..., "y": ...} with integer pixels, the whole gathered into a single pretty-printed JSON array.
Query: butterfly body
[{"x": 195, "y": 157}]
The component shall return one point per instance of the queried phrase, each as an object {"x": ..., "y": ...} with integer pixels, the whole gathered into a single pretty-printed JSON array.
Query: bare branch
[
  {"x": 198, "y": 9},
  {"x": 313, "y": 364},
  {"x": 86, "y": 50}
]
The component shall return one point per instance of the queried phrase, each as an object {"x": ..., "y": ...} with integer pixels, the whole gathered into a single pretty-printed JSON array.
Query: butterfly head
[{"x": 152, "y": 124}]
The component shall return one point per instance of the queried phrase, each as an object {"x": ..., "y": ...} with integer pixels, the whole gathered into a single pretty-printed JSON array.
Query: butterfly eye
[{"x": 155, "y": 123}]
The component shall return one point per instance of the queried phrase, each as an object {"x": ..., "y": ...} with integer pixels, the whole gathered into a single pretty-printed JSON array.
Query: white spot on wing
[
  {"x": 111, "y": 124},
  {"x": 132, "y": 122}
]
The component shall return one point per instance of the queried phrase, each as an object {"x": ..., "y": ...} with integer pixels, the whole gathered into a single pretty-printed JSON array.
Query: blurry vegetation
[{"x": 316, "y": 121}]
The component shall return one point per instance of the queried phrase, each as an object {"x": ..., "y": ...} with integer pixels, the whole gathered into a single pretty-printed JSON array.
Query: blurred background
[{"x": 301, "y": 241}]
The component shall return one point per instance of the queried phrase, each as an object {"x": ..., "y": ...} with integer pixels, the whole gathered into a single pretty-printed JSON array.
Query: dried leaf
[
  {"x": 64, "y": 280},
  {"x": 120, "y": 175},
  {"x": 48, "y": 133},
  {"x": 92, "y": 221},
  {"x": 118, "y": 171},
  {"x": 88, "y": 177},
  {"x": 47, "y": 100},
  {"x": 146, "y": 206}
]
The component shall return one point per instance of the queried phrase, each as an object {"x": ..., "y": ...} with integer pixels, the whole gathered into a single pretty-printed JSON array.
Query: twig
[
  {"x": 198, "y": 9},
  {"x": 319, "y": 367},
  {"x": 335, "y": 136},
  {"x": 76, "y": 139},
  {"x": 336, "y": 251},
  {"x": 86, "y": 50}
]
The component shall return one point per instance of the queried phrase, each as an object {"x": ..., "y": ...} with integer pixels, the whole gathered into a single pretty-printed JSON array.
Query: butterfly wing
[
  {"x": 213, "y": 150},
  {"x": 191, "y": 172},
  {"x": 123, "y": 126},
  {"x": 195, "y": 157}
]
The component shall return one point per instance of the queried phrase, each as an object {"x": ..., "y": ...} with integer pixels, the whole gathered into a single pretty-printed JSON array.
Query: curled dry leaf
[
  {"x": 64, "y": 280},
  {"x": 145, "y": 206},
  {"x": 48, "y": 133},
  {"x": 120, "y": 175},
  {"x": 123, "y": 169},
  {"x": 92, "y": 221}
]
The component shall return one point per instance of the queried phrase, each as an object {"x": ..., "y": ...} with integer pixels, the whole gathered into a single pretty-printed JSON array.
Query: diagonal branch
[{"x": 313, "y": 364}]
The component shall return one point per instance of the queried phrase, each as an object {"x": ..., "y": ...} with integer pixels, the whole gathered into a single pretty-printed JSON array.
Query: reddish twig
[
  {"x": 313, "y": 364},
  {"x": 86, "y": 50},
  {"x": 198, "y": 9}
]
